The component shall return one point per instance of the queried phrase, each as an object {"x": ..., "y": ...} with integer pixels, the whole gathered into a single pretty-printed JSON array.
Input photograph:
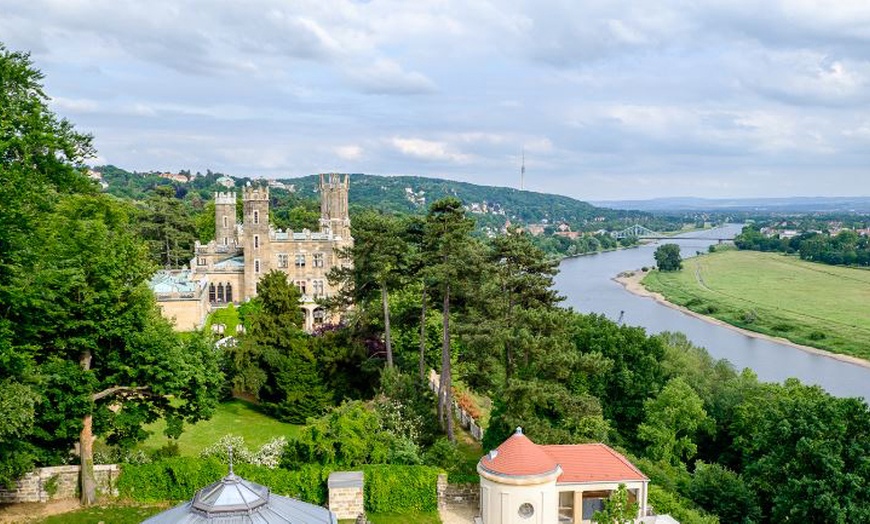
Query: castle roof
[{"x": 518, "y": 456}]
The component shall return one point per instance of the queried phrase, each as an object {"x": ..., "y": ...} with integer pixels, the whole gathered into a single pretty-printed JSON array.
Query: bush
[
  {"x": 269, "y": 455},
  {"x": 388, "y": 489},
  {"x": 665, "y": 502},
  {"x": 401, "y": 489}
]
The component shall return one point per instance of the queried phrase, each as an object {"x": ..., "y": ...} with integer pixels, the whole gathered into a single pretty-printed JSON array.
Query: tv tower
[{"x": 523, "y": 172}]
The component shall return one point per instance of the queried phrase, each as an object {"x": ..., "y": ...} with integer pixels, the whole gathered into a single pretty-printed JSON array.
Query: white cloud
[
  {"x": 349, "y": 152},
  {"x": 429, "y": 150}
]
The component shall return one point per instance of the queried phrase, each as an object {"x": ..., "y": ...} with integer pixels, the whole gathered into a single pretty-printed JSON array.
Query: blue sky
[{"x": 610, "y": 99}]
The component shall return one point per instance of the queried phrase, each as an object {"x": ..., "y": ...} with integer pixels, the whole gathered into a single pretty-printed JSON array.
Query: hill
[
  {"x": 491, "y": 206},
  {"x": 767, "y": 205}
]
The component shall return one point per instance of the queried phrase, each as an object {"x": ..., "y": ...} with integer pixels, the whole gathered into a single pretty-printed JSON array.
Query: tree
[
  {"x": 724, "y": 493},
  {"x": 671, "y": 420},
  {"x": 167, "y": 228},
  {"x": 81, "y": 339},
  {"x": 617, "y": 509},
  {"x": 274, "y": 360},
  {"x": 449, "y": 253},
  {"x": 668, "y": 257}
]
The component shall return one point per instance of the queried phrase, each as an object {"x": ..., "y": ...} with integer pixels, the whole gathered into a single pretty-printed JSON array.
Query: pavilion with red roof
[{"x": 525, "y": 483}]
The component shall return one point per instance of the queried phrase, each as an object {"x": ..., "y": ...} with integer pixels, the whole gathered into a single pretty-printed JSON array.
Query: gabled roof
[{"x": 520, "y": 457}]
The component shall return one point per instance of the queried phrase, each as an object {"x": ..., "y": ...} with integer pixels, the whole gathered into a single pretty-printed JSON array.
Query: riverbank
[{"x": 631, "y": 281}]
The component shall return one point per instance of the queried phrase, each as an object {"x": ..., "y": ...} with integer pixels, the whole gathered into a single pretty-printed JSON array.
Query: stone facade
[
  {"x": 232, "y": 264},
  {"x": 58, "y": 482},
  {"x": 346, "y": 496},
  {"x": 452, "y": 495}
]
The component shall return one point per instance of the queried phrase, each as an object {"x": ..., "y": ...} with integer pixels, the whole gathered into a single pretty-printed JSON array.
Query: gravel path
[{"x": 458, "y": 515}]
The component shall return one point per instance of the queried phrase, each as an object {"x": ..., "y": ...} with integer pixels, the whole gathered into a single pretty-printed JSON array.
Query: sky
[{"x": 607, "y": 99}]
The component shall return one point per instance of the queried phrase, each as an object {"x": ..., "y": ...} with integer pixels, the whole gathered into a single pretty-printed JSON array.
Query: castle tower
[
  {"x": 225, "y": 219},
  {"x": 255, "y": 237},
  {"x": 334, "y": 214}
]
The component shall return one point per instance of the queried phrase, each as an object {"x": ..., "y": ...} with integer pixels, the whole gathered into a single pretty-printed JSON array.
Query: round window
[{"x": 526, "y": 510}]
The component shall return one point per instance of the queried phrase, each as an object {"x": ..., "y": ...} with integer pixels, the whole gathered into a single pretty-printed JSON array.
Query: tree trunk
[
  {"x": 387, "y": 340},
  {"x": 446, "y": 379},
  {"x": 86, "y": 449},
  {"x": 423, "y": 335}
]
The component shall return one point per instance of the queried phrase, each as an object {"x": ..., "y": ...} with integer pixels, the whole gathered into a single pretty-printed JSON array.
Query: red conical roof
[{"x": 518, "y": 456}]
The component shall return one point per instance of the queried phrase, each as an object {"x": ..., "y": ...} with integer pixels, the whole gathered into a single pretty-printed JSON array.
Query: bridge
[{"x": 642, "y": 233}]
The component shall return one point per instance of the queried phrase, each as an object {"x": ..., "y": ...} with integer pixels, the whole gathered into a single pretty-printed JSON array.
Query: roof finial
[
  {"x": 519, "y": 431},
  {"x": 230, "y": 453}
]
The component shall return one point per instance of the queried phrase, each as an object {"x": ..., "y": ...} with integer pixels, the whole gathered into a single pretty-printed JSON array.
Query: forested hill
[{"x": 491, "y": 206}]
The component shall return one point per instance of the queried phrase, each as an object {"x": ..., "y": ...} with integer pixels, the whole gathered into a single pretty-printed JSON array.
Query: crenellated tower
[
  {"x": 334, "y": 214},
  {"x": 255, "y": 232},
  {"x": 225, "y": 219}
]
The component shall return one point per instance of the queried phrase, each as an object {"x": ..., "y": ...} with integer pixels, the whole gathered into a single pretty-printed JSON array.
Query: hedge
[
  {"x": 398, "y": 489},
  {"x": 388, "y": 489}
]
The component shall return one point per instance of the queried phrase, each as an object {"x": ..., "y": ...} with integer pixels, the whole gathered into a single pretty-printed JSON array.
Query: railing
[{"x": 466, "y": 421}]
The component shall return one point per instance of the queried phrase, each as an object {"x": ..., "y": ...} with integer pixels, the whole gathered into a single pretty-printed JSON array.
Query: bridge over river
[{"x": 643, "y": 233}]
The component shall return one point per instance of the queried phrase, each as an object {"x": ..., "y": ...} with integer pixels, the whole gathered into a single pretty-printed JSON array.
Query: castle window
[
  {"x": 301, "y": 285},
  {"x": 256, "y": 217},
  {"x": 319, "y": 314},
  {"x": 225, "y": 221},
  {"x": 256, "y": 241},
  {"x": 257, "y": 266},
  {"x": 200, "y": 261},
  {"x": 220, "y": 293},
  {"x": 283, "y": 260},
  {"x": 317, "y": 260},
  {"x": 317, "y": 288},
  {"x": 300, "y": 260},
  {"x": 211, "y": 295},
  {"x": 226, "y": 241},
  {"x": 229, "y": 292}
]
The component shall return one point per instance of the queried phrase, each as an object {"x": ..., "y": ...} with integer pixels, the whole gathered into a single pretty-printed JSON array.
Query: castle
[{"x": 227, "y": 269}]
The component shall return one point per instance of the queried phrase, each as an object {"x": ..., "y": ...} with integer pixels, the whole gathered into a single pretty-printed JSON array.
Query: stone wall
[
  {"x": 346, "y": 494},
  {"x": 467, "y": 494},
  {"x": 58, "y": 482}
]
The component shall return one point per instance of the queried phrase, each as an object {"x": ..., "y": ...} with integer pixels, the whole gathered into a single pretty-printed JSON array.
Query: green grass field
[
  {"x": 236, "y": 417},
  {"x": 114, "y": 514},
  {"x": 817, "y": 305}
]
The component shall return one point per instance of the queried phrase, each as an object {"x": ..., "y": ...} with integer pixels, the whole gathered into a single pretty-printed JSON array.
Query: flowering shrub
[{"x": 269, "y": 455}]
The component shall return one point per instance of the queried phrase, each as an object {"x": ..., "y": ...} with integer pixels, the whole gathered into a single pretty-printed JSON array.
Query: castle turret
[
  {"x": 225, "y": 219},
  {"x": 334, "y": 214},
  {"x": 256, "y": 236}
]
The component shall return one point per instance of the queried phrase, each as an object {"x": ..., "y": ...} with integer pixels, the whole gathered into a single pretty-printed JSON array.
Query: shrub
[
  {"x": 400, "y": 489},
  {"x": 672, "y": 504},
  {"x": 269, "y": 455}
]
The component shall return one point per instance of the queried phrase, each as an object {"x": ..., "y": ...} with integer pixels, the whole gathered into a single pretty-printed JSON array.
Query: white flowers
[{"x": 269, "y": 455}]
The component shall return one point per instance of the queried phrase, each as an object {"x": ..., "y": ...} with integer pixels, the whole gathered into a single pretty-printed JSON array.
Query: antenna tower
[{"x": 523, "y": 172}]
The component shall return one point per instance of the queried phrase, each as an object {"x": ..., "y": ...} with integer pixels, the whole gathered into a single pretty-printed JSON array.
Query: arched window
[
  {"x": 220, "y": 293},
  {"x": 211, "y": 293},
  {"x": 229, "y": 292}
]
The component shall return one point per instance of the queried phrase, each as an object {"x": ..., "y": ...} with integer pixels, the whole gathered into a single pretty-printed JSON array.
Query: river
[{"x": 587, "y": 284}]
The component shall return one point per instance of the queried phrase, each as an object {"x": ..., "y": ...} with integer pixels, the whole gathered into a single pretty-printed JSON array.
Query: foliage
[
  {"x": 167, "y": 227},
  {"x": 668, "y": 257},
  {"x": 399, "y": 489},
  {"x": 617, "y": 509},
  {"x": 666, "y": 502},
  {"x": 724, "y": 493},
  {"x": 347, "y": 436},
  {"x": 671, "y": 420},
  {"x": 844, "y": 248},
  {"x": 269, "y": 455}
]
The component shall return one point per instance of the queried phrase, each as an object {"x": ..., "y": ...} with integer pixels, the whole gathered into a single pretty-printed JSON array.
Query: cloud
[
  {"x": 428, "y": 150},
  {"x": 387, "y": 77},
  {"x": 349, "y": 152}
]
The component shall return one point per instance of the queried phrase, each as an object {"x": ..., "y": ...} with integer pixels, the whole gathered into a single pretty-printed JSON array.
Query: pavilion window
[
  {"x": 211, "y": 295},
  {"x": 229, "y": 292}
]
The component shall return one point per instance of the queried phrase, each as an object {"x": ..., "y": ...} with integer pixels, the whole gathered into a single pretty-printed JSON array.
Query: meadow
[{"x": 778, "y": 295}]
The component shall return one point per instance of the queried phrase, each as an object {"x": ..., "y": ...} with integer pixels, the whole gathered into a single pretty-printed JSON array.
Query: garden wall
[{"x": 58, "y": 482}]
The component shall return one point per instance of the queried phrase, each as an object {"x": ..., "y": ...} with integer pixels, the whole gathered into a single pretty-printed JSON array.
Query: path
[{"x": 458, "y": 515}]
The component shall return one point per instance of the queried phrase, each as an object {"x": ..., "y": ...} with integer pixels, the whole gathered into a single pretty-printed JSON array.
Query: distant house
[
  {"x": 226, "y": 181},
  {"x": 525, "y": 483},
  {"x": 175, "y": 177}
]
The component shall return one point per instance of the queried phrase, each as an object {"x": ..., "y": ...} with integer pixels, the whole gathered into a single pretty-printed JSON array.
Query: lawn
[
  {"x": 394, "y": 518},
  {"x": 110, "y": 514},
  {"x": 235, "y": 417},
  {"x": 808, "y": 303}
]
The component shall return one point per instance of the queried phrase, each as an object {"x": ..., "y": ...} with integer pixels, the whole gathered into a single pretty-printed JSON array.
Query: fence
[{"x": 465, "y": 420}]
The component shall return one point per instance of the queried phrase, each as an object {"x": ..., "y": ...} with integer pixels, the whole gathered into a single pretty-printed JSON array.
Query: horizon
[{"x": 614, "y": 101}]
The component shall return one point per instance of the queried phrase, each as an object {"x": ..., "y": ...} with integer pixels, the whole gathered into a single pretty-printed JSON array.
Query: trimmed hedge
[
  {"x": 399, "y": 489},
  {"x": 388, "y": 489}
]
